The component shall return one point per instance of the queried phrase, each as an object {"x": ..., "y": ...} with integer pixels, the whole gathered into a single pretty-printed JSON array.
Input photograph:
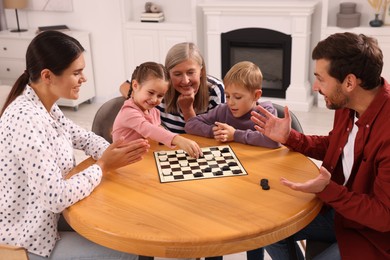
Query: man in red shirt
[{"x": 354, "y": 179}]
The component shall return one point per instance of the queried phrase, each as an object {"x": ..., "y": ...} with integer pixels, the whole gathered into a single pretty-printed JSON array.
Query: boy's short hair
[{"x": 244, "y": 73}]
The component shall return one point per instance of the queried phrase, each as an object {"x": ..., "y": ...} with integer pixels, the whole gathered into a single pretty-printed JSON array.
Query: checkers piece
[
  {"x": 265, "y": 187},
  {"x": 218, "y": 173},
  {"x": 232, "y": 163},
  {"x": 225, "y": 150},
  {"x": 198, "y": 174},
  {"x": 166, "y": 172},
  {"x": 183, "y": 163},
  {"x": 163, "y": 158},
  {"x": 208, "y": 157},
  {"x": 207, "y": 169},
  {"x": 264, "y": 184},
  {"x": 216, "y": 153},
  {"x": 225, "y": 168}
]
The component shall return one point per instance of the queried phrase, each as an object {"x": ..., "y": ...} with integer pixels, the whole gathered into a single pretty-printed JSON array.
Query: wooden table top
[{"x": 132, "y": 211}]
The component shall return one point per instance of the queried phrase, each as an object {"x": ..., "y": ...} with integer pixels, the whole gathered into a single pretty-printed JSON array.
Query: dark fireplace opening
[{"x": 268, "y": 49}]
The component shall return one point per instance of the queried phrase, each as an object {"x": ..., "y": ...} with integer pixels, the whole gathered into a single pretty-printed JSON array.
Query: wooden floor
[{"x": 317, "y": 121}]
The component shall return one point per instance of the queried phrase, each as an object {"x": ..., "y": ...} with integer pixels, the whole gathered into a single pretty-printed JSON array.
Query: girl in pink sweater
[{"x": 139, "y": 116}]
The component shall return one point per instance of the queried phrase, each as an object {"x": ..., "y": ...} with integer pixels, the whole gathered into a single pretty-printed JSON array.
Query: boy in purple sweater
[{"x": 231, "y": 121}]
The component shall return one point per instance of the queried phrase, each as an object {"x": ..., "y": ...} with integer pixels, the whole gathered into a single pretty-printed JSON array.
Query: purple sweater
[{"x": 245, "y": 131}]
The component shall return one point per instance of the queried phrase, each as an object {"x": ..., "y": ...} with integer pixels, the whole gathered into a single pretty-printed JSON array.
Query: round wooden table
[{"x": 132, "y": 211}]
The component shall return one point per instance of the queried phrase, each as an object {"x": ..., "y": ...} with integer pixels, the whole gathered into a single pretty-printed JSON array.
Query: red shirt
[{"x": 362, "y": 206}]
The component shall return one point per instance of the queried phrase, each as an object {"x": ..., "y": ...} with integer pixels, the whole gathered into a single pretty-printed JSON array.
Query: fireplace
[
  {"x": 268, "y": 49},
  {"x": 291, "y": 18}
]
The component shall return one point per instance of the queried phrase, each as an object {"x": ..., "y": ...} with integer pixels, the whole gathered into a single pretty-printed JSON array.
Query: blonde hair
[
  {"x": 244, "y": 73},
  {"x": 176, "y": 55}
]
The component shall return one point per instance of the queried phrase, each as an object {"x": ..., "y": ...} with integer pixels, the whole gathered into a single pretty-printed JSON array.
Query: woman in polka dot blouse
[{"x": 37, "y": 143}]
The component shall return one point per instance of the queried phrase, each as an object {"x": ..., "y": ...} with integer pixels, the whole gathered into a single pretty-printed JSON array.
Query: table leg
[{"x": 142, "y": 257}]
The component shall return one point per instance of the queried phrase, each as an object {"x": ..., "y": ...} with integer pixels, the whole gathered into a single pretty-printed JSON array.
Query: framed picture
[{"x": 386, "y": 14}]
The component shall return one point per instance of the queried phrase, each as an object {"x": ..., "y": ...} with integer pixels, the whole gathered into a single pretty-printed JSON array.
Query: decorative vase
[{"x": 376, "y": 22}]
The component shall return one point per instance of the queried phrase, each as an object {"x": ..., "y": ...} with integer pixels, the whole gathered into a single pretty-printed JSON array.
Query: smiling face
[
  {"x": 329, "y": 87},
  {"x": 67, "y": 85},
  {"x": 185, "y": 77},
  {"x": 150, "y": 93},
  {"x": 240, "y": 100}
]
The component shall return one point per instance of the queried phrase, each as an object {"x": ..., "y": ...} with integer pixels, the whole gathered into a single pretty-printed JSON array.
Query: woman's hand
[
  {"x": 277, "y": 129},
  {"x": 186, "y": 104},
  {"x": 120, "y": 154},
  {"x": 189, "y": 146},
  {"x": 315, "y": 185},
  {"x": 223, "y": 132}
]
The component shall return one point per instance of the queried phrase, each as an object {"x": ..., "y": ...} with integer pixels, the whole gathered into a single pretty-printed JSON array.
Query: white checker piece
[{"x": 218, "y": 161}]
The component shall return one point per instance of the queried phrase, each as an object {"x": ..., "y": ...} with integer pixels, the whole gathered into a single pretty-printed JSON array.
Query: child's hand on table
[
  {"x": 189, "y": 146},
  {"x": 223, "y": 132}
]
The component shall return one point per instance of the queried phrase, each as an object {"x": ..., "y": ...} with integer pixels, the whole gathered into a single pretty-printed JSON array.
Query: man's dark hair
[{"x": 350, "y": 53}]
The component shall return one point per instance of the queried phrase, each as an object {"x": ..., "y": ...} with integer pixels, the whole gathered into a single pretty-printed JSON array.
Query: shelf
[
  {"x": 373, "y": 31},
  {"x": 328, "y": 27},
  {"x": 132, "y": 10},
  {"x": 330, "y": 8},
  {"x": 159, "y": 26}
]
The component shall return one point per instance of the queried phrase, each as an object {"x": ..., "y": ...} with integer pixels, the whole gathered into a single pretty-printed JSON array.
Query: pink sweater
[{"x": 132, "y": 123}]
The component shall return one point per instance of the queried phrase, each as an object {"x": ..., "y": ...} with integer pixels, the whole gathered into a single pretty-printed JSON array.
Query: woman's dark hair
[
  {"x": 50, "y": 50},
  {"x": 145, "y": 71},
  {"x": 349, "y": 53}
]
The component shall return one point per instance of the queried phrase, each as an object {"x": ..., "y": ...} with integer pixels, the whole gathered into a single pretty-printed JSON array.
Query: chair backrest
[
  {"x": 294, "y": 119},
  {"x": 105, "y": 116},
  {"x": 12, "y": 252}
]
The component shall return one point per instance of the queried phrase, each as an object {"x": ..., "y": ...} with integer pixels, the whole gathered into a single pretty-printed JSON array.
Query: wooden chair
[
  {"x": 12, "y": 252},
  {"x": 105, "y": 116}
]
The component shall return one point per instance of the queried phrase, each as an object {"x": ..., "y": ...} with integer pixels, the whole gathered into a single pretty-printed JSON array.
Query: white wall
[{"x": 103, "y": 19}]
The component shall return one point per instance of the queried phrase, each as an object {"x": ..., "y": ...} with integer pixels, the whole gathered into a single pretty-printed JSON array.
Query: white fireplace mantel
[{"x": 289, "y": 17}]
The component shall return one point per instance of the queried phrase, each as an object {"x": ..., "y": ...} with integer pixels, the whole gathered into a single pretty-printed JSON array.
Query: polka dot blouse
[{"x": 36, "y": 154}]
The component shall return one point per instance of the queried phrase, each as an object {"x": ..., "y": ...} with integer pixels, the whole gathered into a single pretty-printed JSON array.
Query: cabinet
[
  {"x": 330, "y": 8},
  {"x": 13, "y": 48},
  {"x": 146, "y": 41}
]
